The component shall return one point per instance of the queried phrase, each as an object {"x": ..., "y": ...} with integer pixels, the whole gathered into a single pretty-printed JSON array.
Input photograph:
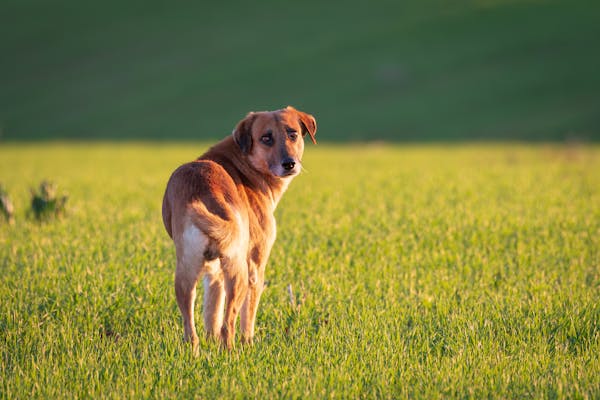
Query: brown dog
[{"x": 219, "y": 212}]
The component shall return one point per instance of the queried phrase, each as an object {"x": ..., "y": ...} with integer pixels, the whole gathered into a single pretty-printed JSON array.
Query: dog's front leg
[
  {"x": 235, "y": 273},
  {"x": 256, "y": 284}
]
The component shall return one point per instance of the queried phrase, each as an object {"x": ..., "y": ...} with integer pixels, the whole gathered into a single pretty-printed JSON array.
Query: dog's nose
[{"x": 288, "y": 164}]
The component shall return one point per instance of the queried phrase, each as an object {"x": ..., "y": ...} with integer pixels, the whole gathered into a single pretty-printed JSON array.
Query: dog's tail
[
  {"x": 166, "y": 214},
  {"x": 225, "y": 231}
]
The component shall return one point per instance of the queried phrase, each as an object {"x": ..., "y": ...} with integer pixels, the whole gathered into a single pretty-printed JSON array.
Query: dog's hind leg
[
  {"x": 185, "y": 291},
  {"x": 189, "y": 263}
]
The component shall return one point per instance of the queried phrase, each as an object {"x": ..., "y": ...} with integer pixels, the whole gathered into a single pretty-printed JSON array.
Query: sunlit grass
[{"x": 421, "y": 271}]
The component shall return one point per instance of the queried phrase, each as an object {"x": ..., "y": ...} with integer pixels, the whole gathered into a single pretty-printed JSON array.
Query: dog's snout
[{"x": 288, "y": 164}]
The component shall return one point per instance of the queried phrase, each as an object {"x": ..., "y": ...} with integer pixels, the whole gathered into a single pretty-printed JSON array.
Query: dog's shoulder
[{"x": 227, "y": 155}]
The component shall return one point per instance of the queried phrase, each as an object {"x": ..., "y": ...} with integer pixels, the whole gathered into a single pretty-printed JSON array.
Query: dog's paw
[
  {"x": 248, "y": 341},
  {"x": 196, "y": 348},
  {"x": 194, "y": 341}
]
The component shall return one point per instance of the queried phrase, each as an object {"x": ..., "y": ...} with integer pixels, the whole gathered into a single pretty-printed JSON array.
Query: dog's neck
[{"x": 229, "y": 155}]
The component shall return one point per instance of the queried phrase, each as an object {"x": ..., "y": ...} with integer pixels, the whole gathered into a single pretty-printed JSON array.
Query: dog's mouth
[{"x": 288, "y": 173}]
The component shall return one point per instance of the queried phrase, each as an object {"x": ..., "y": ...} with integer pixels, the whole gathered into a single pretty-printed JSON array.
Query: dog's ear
[
  {"x": 308, "y": 122},
  {"x": 242, "y": 134}
]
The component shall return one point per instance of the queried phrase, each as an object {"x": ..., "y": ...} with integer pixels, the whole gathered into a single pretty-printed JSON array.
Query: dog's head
[{"x": 273, "y": 141}]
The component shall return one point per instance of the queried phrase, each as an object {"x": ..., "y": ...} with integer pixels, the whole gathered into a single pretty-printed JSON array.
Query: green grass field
[{"x": 422, "y": 271}]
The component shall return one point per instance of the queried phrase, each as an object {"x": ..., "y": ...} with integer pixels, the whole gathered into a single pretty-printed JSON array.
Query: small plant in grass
[
  {"x": 45, "y": 203},
  {"x": 6, "y": 207}
]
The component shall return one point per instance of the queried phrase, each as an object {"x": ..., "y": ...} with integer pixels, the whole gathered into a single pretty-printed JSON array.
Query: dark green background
[{"x": 391, "y": 70}]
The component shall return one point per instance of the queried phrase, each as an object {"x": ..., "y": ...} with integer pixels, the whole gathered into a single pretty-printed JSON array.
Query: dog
[{"x": 219, "y": 209}]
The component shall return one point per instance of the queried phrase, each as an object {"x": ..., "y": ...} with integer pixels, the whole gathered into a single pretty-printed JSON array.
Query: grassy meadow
[{"x": 419, "y": 271}]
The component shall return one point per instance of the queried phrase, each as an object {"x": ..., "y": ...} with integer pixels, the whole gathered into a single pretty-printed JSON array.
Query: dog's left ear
[
  {"x": 308, "y": 122},
  {"x": 242, "y": 134}
]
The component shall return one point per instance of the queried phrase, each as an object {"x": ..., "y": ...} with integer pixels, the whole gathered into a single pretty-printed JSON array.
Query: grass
[
  {"x": 410, "y": 70},
  {"x": 425, "y": 271}
]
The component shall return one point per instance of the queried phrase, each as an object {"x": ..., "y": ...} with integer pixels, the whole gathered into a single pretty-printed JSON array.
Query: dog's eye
[
  {"x": 293, "y": 135},
  {"x": 267, "y": 139}
]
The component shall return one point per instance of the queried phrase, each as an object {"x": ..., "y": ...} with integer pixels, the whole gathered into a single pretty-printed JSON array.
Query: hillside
[{"x": 387, "y": 70}]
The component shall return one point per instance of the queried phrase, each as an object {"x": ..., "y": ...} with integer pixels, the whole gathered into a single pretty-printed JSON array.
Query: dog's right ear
[{"x": 242, "y": 134}]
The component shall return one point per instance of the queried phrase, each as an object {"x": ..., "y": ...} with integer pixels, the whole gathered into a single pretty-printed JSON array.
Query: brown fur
[{"x": 218, "y": 210}]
